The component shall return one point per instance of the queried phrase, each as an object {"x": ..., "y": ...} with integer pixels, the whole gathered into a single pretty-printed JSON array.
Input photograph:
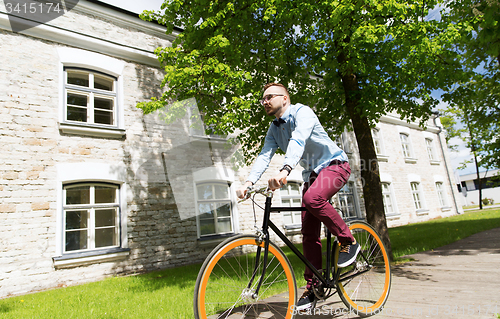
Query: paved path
[{"x": 460, "y": 280}]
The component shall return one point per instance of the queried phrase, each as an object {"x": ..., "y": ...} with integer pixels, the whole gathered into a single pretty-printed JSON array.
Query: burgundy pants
[{"x": 316, "y": 194}]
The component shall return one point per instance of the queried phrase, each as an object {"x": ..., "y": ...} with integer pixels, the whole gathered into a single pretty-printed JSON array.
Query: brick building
[{"x": 90, "y": 187}]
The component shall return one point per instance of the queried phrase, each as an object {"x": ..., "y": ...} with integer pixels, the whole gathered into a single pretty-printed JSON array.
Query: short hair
[{"x": 268, "y": 85}]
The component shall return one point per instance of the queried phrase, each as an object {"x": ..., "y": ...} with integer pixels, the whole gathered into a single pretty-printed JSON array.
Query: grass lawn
[{"x": 169, "y": 293}]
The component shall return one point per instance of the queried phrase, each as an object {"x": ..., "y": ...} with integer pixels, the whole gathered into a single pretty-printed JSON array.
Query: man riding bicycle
[{"x": 297, "y": 131}]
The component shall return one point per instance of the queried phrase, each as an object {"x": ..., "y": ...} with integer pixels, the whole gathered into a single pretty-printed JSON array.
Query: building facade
[{"x": 90, "y": 187}]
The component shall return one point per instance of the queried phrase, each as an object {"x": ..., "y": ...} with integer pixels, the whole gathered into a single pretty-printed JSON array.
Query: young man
[{"x": 298, "y": 132}]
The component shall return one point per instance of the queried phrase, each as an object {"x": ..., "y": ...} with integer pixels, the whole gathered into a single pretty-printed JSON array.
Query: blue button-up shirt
[{"x": 303, "y": 139}]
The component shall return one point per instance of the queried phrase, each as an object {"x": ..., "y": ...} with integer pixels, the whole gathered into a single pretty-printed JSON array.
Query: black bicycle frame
[{"x": 266, "y": 224}]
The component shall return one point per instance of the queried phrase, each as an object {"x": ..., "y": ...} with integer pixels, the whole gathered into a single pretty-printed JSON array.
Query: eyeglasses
[{"x": 269, "y": 97}]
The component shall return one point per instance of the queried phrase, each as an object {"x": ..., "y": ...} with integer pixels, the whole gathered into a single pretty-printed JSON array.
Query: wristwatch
[{"x": 286, "y": 168}]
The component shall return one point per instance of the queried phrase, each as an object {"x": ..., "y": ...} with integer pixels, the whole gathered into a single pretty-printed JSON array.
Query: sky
[{"x": 456, "y": 158}]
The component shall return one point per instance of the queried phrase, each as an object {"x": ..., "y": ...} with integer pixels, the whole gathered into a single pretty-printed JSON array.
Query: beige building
[{"x": 90, "y": 187}]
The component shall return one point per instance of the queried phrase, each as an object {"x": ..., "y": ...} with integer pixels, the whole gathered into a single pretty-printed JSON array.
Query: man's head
[{"x": 275, "y": 99}]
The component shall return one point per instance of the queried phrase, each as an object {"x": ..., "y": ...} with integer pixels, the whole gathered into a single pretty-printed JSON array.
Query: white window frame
[
  {"x": 91, "y": 95},
  {"x": 405, "y": 145},
  {"x": 88, "y": 172},
  {"x": 287, "y": 201},
  {"x": 344, "y": 205},
  {"x": 378, "y": 141},
  {"x": 222, "y": 175},
  {"x": 92, "y": 208},
  {"x": 216, "y": 202},
  {"x": 388, "y": 198},
  {"x": 98, "y": 63},
  {"x": 431, "y": 148},
  {"x": 416, "y": 193}
]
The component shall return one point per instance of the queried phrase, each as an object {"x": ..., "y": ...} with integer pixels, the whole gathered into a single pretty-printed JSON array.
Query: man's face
[{"x": 274, "y": 99}]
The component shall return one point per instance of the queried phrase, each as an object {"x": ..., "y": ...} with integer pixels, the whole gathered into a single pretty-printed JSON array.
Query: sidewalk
[{"x": 460, "y": 280}]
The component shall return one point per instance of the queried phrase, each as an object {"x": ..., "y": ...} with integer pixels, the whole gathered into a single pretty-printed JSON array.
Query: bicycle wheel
[
  {"x": 364, "y": 285},
  {"x": 222, "y": 290}
]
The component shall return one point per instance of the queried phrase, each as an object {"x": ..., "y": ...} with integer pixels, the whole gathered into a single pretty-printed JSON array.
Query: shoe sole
[
  {"x": 305, "y": 307},
  {"x": 350, "y": 261}
]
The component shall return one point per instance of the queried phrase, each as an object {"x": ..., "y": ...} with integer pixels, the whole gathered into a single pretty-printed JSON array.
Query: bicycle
[{"x": 248, "y": 276}]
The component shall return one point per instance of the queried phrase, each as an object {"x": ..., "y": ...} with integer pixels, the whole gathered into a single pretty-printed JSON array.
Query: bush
[{"x": 488, "y": 201}]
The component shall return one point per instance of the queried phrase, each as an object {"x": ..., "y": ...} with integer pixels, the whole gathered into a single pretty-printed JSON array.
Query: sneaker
[
  {"x": 347, "y": 254},
  {"x": 308, "y": 300}
]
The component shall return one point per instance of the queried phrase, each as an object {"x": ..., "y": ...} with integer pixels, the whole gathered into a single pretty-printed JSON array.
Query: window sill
[
  {"x": 435, "y": 162},
  {"x": 393, "y": 216},
  {"x": 214, "y": 238},
  {"x": 445, "y": 209},
  {"x": 72, "y": 260},
  {"x": 217, "y": 142},
  {"x": 410, "y": 160},
  {"x": 383, "y": 158},
  {"x": 422, "y": 212},
  {"x": 92, "y": 130}
]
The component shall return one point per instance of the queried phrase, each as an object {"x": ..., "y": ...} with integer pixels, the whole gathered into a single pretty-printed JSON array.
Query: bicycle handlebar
[{"x": 257, "y": 190}]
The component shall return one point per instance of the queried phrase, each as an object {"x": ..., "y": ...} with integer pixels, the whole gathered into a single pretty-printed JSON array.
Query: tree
[
  {"x": 352, "y": 61},
  {"x": 477, "y": 93}
]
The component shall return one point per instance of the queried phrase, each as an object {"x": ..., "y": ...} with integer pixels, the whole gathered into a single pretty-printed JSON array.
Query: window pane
[
  {"x": 205, "y": 211},
  {"x": 205, "y": 192},
  {"x": 103, "y": 117},
  {"x": 296, "y": 202},
  {"x": 102, "y": 103},
  {"x": 78, "y": 195},
  {"x": 105, "y": 237},
  {"x": 78, "y": 78},
  {"x": 207, "y": 227},
  {"x": 103, "y": 83},
  {"x": 224, "y": 210},
  {"x": 221, "y": 191},
  {"x": 224, "y": 225},
  {"x": 294, "y": 189},
  {"x": 76, "y": 99},
  {"x": 287, "y": 218},
  {"x": 76, "y": 240},
  {"x": 105, "y": 217},
  {"x": 76, "y": 219},
  {"x": 77, "y": 114},
  {"x": 104, "y": 194}
]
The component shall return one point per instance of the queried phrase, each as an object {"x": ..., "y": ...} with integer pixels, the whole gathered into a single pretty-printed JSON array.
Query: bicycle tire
[
  {"x": 221, "y": 286},
  {"x": 366, "y": 293}
]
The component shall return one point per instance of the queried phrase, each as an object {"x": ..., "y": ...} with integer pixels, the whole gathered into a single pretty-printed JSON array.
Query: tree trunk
[{"x": 370, "y": 176}]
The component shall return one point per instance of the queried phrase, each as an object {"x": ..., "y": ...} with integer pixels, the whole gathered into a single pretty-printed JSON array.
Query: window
[
  {"x": 387, "y": 198},
  {"x": 441, "y": 194},
  {"x": 90, "y": 97},
  {"x": 405, "y": 144},
  {"x": 90, "y": 94},
  {"x": 214, "y": 209},
  {"x": 347, "y": 200},
  {"x": 430, "y": 149},
  {"x": 291, "y": 196},
  {"x": 417, "y": 196},
  {"x": 91, "y": 217},
  {"x": 377, "y": 142}
]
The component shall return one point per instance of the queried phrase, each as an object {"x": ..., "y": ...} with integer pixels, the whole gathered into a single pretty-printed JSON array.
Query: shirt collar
[{"x": 284, "y": 118}]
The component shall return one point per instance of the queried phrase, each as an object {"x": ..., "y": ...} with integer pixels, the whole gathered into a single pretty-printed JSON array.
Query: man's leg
[{"x": 330, "y": 180}]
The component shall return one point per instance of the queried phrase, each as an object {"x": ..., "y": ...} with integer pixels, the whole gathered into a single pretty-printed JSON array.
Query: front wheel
[
  {"x": 364, "y": 285},
  {"x": 224, "y": 287}
]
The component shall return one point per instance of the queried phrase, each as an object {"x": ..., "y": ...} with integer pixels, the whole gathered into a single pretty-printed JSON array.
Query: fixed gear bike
[{"x": 248, "y": 276}]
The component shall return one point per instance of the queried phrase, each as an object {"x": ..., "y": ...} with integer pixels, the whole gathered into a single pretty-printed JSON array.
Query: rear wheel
[
  {"x": 222, "y": 288},
  {"x": 364, "y": 285}
]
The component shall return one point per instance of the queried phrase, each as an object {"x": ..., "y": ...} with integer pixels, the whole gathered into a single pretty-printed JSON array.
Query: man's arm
[{"x": 261, "y": 164}]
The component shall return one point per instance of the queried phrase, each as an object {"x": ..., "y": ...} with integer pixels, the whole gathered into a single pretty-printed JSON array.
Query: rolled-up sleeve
[{"x": 262, "y": 162}]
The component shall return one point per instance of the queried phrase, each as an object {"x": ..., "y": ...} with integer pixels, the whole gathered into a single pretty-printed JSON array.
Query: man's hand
[
  {"x": 242, "y": 191},
  {"x": 278, "y": 181}
]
